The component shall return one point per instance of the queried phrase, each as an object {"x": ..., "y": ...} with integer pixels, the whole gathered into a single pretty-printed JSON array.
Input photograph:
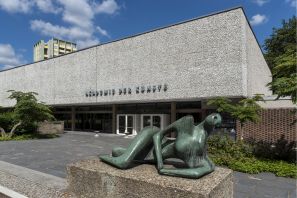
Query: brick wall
[{"x": 274, "y": 123}]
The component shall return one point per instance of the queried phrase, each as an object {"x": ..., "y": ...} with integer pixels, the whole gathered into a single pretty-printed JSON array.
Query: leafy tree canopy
[
  {"x": 245, "y": 110},
  {"x": 281, "y": 40},
  {"x": 27, "y": 112},
  {"x": 284, "y": 76},
  {"x": 281, "y": 57}
]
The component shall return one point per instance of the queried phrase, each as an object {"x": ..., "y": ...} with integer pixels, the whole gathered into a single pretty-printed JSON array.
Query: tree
[
  {"x": 281, "y": 58},
  {"x": 284, "y": 77},
  {"x": 245, "y": 110},
  {"x": 27, "y": 112},
  {"x": 280, "y": 41}
]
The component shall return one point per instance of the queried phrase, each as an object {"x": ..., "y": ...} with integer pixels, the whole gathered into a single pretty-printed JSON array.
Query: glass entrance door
[
  {"x": 129, "y": 125},
  {"x": 93, "y": 122},
  {"x": 126, "y": 124},
  {"x": 152, "y": 120}
]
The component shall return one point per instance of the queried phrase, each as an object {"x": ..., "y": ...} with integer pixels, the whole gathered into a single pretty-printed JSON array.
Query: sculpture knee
[
  {"x": 118, "y": 162},
  {"x": 118, "y": 151}
]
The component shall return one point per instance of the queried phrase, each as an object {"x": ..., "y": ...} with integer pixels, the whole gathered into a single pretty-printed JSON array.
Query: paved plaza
[{"x": 51, "y": 156}]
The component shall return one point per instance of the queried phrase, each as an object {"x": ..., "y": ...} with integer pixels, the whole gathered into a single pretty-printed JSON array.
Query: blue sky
[{"x": 90, "y": 22}]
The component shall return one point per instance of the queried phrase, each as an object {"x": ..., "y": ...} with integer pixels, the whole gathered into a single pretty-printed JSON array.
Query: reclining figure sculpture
[{"x": 190, "y": 146}]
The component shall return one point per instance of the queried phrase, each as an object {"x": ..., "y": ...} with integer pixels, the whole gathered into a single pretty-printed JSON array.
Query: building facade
[
  {"x": 150, "y": 79},
  {"x": 54, "y": 47}
]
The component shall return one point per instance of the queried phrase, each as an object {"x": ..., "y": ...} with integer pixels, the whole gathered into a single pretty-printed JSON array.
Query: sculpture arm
[
  {"x": 193, "y": 173},
  {"x": 157, "y": 138},
  {"x": 206, "y": 167},
  {"x": 175, "y": 126}
]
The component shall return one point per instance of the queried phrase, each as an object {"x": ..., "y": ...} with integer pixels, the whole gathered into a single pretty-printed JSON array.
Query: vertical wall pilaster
[
  {"x": 114, "y": 117},
  {"x": 72, "y": 118},
  {"x": 173, "y": 112}
]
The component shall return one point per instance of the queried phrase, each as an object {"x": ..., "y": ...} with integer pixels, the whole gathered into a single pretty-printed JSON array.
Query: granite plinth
[{"x": 93, "y": 178}]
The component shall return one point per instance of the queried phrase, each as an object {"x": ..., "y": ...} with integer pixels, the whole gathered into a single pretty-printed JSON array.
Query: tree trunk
[
  {"x": 14, "y": 128},
  {"x": 3, "y": 133}
]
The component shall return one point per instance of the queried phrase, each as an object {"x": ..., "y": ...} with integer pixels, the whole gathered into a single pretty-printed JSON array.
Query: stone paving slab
[
  {"x": 263, "y": 185},
  {"x": 52, "y": 155},
  {"x": 24, "y": 182}
]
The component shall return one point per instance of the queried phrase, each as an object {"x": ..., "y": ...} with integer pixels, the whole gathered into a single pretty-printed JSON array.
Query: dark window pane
[
  {"x": 157, "y": 121},
  {"x": 146, "y": 121}
]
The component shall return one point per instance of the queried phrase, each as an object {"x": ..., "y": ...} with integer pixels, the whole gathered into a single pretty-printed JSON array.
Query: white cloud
[
  {"x": 8, "y": 57},
  {"x": 293, "y": 3},
  {"x": 26, "y": 6},
  {"x": 47, "y": 6},
  {"x": 107, "y": 7},
  {"x": 48, "y": 29},
  {"x": 258, "y": 19},
  {"x": 102, "y": 31},
  {"x": 79, "y": 13},
  {"x": 82, "y": 36},
  {"x": 80, "y": 19},
  {"x": 261, "y": 2},
  {"x": 14, "y": 6}
]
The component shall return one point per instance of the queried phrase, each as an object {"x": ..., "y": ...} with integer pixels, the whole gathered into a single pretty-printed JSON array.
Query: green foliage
[
  {"x": 25, "y": 114},
  {"x": 240, "y": 156},
  {"x": 245, "y": 110},
  {"x": 7, "y": 120},
  {"x": 281, "y": 58},
  {"x": 280, "y": 41},
  {"x": 284, "y": 75},
  {"x": 19, "y": 95},
  {"x": 223, "y": 104},
  {"x": 254, "y": 166},
  {"x": 223, "y": 145},
  {"x": 28, "y": 109},
  {"x": 280, "y": 150},
  {"x": 28, "y": 137}
]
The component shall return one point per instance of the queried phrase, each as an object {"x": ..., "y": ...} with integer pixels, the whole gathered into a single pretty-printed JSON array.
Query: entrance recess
[
  {"x": 126, "y": 124},
  {"x": 157, "y": 120},
  {"x": 93, "y": 122}
]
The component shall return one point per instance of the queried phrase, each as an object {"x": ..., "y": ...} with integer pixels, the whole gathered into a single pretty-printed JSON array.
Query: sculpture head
[{"x": 213, "y": 120}]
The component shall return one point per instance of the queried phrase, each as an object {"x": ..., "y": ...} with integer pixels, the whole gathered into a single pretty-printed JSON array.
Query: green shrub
[
  {"x": 223, "y": 144},
  {"x": 280, "y": 150},
  {"x": 7, "y": 120},
  {"x": 240, "y": 156}
]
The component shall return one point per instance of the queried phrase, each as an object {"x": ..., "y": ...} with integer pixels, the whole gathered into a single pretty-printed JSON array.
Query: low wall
[
  {"x": 273, "y": 124},
  {"x": 94, "y": 179},
  {"x": 54, "y": 127}
]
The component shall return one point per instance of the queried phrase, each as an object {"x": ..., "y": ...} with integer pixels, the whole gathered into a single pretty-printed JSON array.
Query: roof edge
[{"x": 138, "y": 34}]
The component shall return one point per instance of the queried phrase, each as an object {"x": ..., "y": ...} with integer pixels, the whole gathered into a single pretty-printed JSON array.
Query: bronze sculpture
[{"x": 190, "y": 146}]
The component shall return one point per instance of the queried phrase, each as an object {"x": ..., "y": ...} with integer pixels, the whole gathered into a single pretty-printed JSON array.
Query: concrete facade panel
[
  {"x": 197, "y": 59},
  {"x": 40, "y": 78},
  {"x": 259, "y": 73},
  {"x": 74, "y": 75}
]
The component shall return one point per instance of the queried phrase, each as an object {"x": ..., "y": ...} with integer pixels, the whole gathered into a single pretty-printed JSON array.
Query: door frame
[
  {"x": 162, "y": 116},
  {"x": 126, "y": 121}
]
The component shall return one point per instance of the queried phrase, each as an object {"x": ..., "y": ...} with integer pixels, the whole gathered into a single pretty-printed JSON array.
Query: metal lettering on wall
[{"x": 127, "y": 90}]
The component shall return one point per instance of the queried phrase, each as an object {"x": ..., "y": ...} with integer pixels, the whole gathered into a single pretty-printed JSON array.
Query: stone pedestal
[{"x": 93, "y": 178}]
